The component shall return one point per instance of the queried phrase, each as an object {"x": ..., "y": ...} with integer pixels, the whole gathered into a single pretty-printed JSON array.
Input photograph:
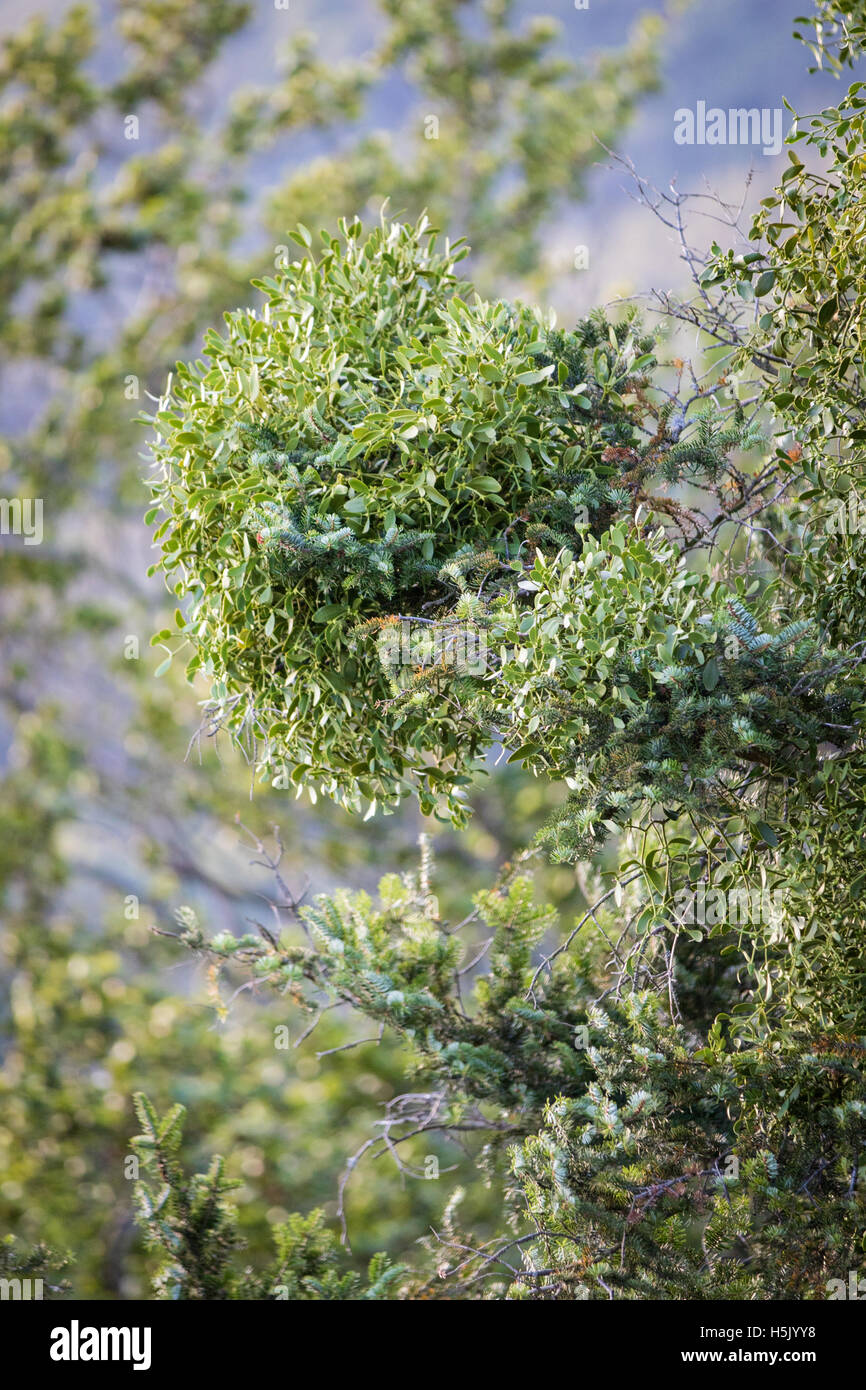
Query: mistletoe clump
[{"x": 374, "y": 444}]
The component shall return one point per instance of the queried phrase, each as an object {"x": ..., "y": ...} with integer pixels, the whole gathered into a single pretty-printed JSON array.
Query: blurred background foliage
[{"x": 144, "y": 185}]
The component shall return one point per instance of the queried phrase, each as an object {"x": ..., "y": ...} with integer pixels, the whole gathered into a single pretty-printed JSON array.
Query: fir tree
[{"x": 191, "y": 1225}]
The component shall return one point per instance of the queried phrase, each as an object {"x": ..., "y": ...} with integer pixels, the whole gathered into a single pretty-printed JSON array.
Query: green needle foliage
[
  {"x": 192, "y": 1226},
  {"x": 395, "y": 963},
  {"x": 30, "y": 1269},
  {"x": 656, "y": 1160},
  {"x": 642, "y": 682},
  {"x": 694, "y": 1174}
]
